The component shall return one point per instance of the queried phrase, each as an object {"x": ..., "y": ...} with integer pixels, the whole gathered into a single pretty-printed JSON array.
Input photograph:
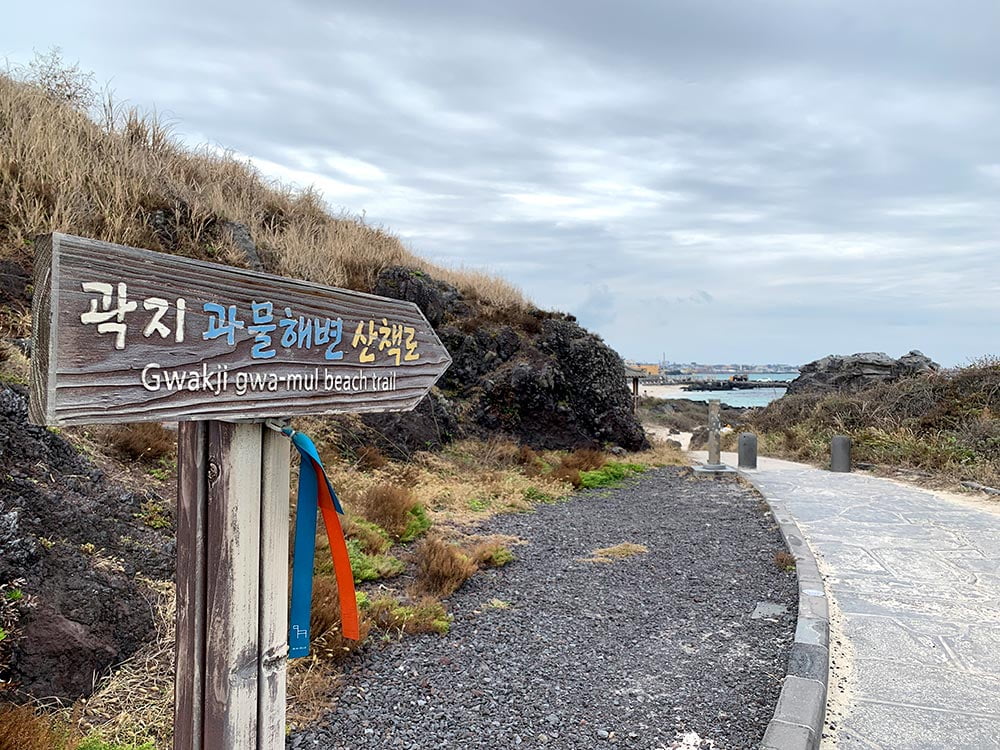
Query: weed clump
[
  {"x": 441, "y": 567},
  {"x": 491, "y": 554},
  {"x": 393, "y": 508},
  {"x": 371, "y": 538},
  {"x": 785, "y": 561},
  {"x": 367, "y": 567},
  {"x": 427, "y": 615},
  {"x": 617, "y": 552},
  {"x": 369, "y": 458},
  {"x": 610, "y": 474}
]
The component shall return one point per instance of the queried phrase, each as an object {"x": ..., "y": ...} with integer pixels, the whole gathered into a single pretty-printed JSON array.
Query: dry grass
[
  {"x": 15, "y": 368},
  {"x": 370, "y": 457},
  {"x": 467, "y": 481},
  {"x": 490, "y": 553},
  {"x": 784, "y": 560},
  {"x": 568, "y": 475},
  {"x": 134, "y": 704},
  {"x": 617, "y": 552},
  {"x": 426, "y": 615},
  {"x": 142, "y": 441},
  {"x": 584, "y": 459},
  {"x": 947, "y": 424},
  {"x": 328, "y": 641},
  {"x": 125, "y": 178},
  {"x": 26, "y": 728},
  {"x": 441, "y": 567},
  {"x": 389, "y": 506},
  {"x": 660, "y": 454}
]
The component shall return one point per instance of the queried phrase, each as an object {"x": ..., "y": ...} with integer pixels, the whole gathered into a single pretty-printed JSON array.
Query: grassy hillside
[
  {"x": 946, "y": 423},
  {"x": 123, "y": 178}
]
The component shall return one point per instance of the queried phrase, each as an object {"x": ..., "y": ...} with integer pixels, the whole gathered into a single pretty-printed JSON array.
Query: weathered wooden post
[{"x": 126, "y": 335}]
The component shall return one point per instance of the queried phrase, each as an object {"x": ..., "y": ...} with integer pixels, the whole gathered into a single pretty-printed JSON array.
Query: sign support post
[
  {"x": 126, "y": 335},
  {"x": 232, "y": 521}
]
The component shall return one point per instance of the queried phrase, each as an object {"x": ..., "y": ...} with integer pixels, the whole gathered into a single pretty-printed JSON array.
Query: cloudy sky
[{"x": 753, "y": 180}]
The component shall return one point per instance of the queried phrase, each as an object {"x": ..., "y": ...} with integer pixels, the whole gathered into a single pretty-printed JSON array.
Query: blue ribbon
[{"x": 307, "y": 507}]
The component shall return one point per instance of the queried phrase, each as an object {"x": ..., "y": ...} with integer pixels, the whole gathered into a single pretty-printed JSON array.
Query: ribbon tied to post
[{"x": 316, "y": 494}]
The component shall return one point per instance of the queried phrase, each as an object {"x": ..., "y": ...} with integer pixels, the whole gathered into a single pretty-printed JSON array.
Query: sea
[{"x": 737, "y": 398}]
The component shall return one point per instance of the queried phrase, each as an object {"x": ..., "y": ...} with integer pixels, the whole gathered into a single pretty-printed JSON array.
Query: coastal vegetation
[{"x": 944, "y": 423}]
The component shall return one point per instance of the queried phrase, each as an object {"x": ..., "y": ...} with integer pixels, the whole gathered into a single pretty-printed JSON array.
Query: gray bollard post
[
  {"x": 748, "y": 450},
  {"x": 840, "y": 453}
]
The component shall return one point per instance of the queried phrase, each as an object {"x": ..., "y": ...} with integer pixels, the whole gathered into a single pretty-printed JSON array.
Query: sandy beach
[{"x": 662, "y": 391}]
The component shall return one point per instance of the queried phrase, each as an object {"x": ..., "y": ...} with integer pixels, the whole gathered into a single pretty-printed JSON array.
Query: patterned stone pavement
[{"x": 914, "y": 580}]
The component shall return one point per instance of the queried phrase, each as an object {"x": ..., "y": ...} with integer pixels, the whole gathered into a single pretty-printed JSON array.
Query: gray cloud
[{"x": 829, "y": 171}]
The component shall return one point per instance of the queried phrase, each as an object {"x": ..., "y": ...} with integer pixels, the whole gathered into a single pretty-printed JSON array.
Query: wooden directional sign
[{"x": 127, "y": 335}]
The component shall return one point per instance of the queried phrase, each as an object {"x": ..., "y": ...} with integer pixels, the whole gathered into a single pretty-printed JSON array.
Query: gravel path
[{"x": 635, "y": 653}]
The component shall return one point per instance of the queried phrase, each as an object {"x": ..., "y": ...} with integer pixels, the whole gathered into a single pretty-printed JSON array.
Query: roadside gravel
[{"x": 658, "y": 650}]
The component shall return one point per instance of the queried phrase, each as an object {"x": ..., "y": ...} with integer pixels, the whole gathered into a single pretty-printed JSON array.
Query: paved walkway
[{"x": 915, "y": 578}]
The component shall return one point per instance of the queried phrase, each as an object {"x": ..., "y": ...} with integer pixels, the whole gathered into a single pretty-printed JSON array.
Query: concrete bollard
[
  {"x": 840, "y": 453},
  {"x": 748, "y": 450}
]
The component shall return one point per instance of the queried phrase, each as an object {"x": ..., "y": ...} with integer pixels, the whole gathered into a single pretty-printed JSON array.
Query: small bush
[
  {"x": 372, "y": 538},
  {"x": 491, "y": 554},
  {"x": 418, "y": 524},
  {"x": 784, "y": 560},
  {"x": 441, "y": 567},
  {"x": 142, "y": 441},
  {"x": 568, "y": 475},
  {"x": 392, "y": 507}
]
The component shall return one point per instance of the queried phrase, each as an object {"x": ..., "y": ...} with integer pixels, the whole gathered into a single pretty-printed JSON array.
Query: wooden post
[{"x": 232, "y": 571}]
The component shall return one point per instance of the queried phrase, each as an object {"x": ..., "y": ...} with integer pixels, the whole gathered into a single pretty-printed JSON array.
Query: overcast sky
[{"x": 735, "y": 180}]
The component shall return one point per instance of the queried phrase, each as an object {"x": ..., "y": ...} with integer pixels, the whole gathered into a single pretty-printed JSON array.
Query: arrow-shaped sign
[{"x": 128, "y": 335}]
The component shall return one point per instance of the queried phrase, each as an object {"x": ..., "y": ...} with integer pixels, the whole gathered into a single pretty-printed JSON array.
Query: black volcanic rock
[
  {"x": 856, "y": 371},
  {"x": 530, "y": 374},
  {"x": 76, "y": 540}
]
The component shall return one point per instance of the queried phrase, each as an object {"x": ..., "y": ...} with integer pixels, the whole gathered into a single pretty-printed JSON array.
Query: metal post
[
  {"x": 840, "y": 453},
  {"x": 232, "y": 568},
  {"x": 748, "y": 450}
]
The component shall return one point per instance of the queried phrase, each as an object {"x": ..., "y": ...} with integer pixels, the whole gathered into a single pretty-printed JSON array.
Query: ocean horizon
[{"x": 736, "y": 398}]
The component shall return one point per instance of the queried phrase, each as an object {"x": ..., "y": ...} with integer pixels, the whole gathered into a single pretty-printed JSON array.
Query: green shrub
[
  {"x": 365, "y": 567},
  {"x": 610, "y": 474},
  {"x": 417, "y": 524}
]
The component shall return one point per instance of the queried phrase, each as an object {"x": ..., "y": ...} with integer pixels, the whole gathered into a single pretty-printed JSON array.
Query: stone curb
[{"x": 798, "y": 718}]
